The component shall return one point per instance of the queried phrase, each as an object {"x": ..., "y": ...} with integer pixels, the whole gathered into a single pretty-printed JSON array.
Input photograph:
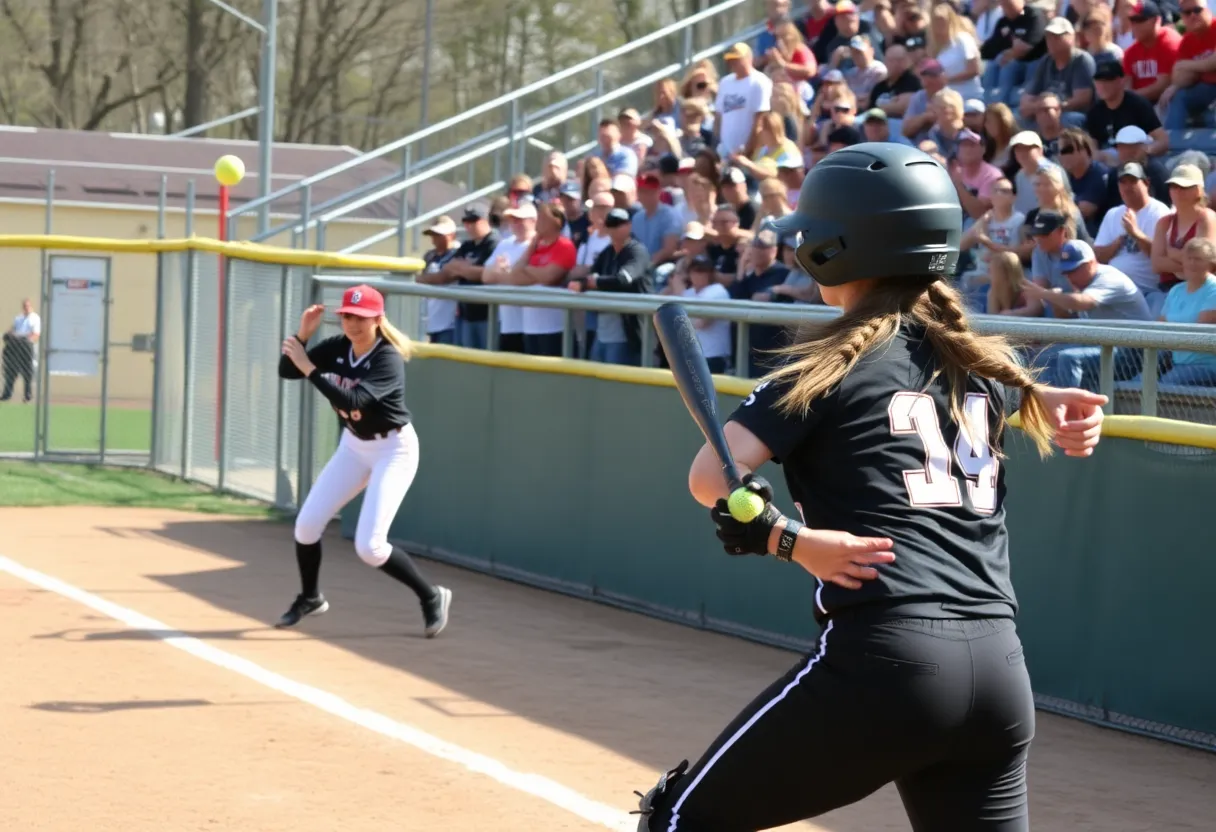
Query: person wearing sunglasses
[{"x": 1192, "y": 89}]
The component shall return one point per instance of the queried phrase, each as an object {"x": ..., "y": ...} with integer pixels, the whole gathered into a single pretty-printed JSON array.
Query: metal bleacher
[{"x": 480, "y": 148}]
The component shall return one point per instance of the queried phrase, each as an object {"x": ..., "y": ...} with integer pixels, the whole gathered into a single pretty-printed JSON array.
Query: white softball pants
[{"x": 385, "y": 467}]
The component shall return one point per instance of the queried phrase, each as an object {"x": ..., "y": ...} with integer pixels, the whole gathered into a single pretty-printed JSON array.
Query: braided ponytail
[
  {"x": 823, "y": 354},
  {"x": 962, "y": 351}
]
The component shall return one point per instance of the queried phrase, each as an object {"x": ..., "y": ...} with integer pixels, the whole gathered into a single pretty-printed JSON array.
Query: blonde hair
[
  {"x": 1201, "y": 247},
  {"x": 705, "y": 67},
  {"x": 956, "y": 24},
  {"x": 399, "y": 340},
  {"x": 1007, "y": 278},
  {"x": 947, "y": 97},
  {"x": 822, "y": 354},
  {"x": 1064, "y": 204}
]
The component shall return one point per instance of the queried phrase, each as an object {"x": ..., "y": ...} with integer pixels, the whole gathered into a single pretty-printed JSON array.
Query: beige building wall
[{"x": 133, "y": 278}]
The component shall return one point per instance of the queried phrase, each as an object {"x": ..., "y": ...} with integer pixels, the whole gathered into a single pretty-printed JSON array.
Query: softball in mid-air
[
  {"x": 745, "y": 505},
  {"x": 229, "y": 170}
]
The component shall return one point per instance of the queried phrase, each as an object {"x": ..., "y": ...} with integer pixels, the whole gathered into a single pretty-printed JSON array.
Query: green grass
[
  {"x": 45, "y": 484},
  {"x": 75, "y": 427}
]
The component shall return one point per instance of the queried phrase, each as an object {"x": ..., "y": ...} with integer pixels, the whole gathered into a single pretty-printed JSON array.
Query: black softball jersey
[
  {"x": 367, "y": 392},
  {"x": 880, "y": 456}
]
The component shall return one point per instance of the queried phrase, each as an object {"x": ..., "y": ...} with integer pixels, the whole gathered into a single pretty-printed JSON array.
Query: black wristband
[
  {"x": 296, "y": 335},
  {"x": 789, "y": 537}
]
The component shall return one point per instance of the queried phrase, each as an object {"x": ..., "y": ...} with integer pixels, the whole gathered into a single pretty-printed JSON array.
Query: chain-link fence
[
  {"x": 224, "y": 417},
  {"x": 77, "y": 357}
]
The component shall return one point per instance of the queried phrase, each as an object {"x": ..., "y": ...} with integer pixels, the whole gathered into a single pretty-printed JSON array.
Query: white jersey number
[{"x": 934, "y": 484}]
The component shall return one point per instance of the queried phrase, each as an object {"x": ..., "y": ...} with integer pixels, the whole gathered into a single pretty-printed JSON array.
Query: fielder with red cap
[{"x": 362, "y": 374}]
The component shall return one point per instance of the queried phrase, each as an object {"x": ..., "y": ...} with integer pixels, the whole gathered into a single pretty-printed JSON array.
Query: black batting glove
[
  {"x": 759, "y": 485},
  {"x": 745, "y": 538}
]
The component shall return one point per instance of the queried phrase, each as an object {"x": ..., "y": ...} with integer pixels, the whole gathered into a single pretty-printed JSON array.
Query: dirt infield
[{"x": 107, "y": 727}]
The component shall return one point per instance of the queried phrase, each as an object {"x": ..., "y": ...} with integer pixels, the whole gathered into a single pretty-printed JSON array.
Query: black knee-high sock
[
  {"x": 401, "y": 566},
  {"x": 308, "y": 556}
]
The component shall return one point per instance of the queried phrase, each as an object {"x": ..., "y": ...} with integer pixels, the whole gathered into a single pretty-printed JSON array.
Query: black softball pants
[{"x": 942, "y": 708}]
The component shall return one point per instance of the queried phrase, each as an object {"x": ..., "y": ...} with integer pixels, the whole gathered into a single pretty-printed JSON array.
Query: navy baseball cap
[
  {"x": 1108, "y": 69},
  {"x": 701, "y": 263},
  {"x": 1074, "y": 254},
  {"x": 571, "y": 188},
  {"x": 1046, "y": 222},
  {"x": 473, "y": 213},
  {"x": 1145, "y": 10},
  {"x": 616, "y": 218}
]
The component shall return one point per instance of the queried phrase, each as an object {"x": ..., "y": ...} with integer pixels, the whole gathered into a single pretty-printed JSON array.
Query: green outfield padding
[{"x": 581, "y": 484}]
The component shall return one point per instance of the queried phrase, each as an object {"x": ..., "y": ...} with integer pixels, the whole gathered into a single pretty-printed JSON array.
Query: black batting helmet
[{"x": 876, "y": 209}]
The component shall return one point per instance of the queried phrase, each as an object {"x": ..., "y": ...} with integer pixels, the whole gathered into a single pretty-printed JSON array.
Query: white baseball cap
[
  {"x": 1029, "y": 138},
  {"x": 1131, "y": 134}
]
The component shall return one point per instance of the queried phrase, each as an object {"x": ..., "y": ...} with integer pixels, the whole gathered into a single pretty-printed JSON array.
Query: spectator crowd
[{"x": 1054, "y": 118}]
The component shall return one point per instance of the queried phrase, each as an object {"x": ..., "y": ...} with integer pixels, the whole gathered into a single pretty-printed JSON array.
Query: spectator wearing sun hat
[{"x": 441, "y": 313}]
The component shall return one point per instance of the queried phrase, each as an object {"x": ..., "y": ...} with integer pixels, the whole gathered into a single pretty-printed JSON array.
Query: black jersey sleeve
[
  {"x": 385, "y": 375},
  {"x": 319, "y": 354},
  {"x": 781, "y": 432}
]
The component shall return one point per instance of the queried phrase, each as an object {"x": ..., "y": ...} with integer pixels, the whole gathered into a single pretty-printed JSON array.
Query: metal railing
[
  {"x": 1110, "y": 337},
  {"x": 495, "y": 153}
]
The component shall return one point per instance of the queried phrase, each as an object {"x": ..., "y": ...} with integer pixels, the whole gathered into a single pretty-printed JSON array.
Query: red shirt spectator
[
  {"x": 821, "y": 14},
  {"x": 1200, "y": 43},
  {"x": 1144, "y": 64},
  {"x": 560, "y": 252}
]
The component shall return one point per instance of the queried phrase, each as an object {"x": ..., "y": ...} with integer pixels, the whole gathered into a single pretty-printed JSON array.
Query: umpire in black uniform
[{"x": 888, "y": 421}]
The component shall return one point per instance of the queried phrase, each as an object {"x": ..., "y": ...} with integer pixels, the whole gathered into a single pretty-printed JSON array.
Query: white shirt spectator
[
  {"x": 26, "y": 325},
  {"x": 510, "y": 318},
  {"x": 954, "y": 60},
  {"x": 715, "y": 335},
  {"x": 588, "y": 251},
  {"x": 1129, "y": 259},
  {"x": 738, "y": 101}
]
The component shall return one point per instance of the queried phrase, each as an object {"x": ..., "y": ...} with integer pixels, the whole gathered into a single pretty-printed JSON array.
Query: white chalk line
[{"x": 530, "y": 784}]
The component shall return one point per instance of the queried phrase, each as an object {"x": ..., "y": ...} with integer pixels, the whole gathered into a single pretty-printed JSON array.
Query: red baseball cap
[{"x": 363, "y": 301}]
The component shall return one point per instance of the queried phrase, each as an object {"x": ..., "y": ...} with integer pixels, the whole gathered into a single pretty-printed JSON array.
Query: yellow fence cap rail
[
  {"x": 238, "y": 250},
  {"x": 1147, "y": 428}
]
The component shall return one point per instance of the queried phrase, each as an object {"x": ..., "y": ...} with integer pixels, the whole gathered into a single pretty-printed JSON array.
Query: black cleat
[
  {"x": 435, "y": 611},
  {"x": 301, "y": 607}
]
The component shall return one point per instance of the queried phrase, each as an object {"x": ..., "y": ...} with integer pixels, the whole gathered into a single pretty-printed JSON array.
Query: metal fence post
[
  {"x": 1148, "y": 392},
  {"x": 307, "y": 412},
  {"x": 42, "y": 400},
  {"x": 225, "y": 398},
  {"x": 403, "y": 207},
  {"x": 742, "y": 342},
  {"x": 280, "y": 434},
  {"x": 157, "y": 357},
  {"x": 598, "y": 112},
  {"x": 188, "y": 343},
  {"x": 512, "y": 119},
  {"x": 106, "y": 304},
  {"x": 1106, "y": 375},
  {"x": 305, "y": 216}
]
